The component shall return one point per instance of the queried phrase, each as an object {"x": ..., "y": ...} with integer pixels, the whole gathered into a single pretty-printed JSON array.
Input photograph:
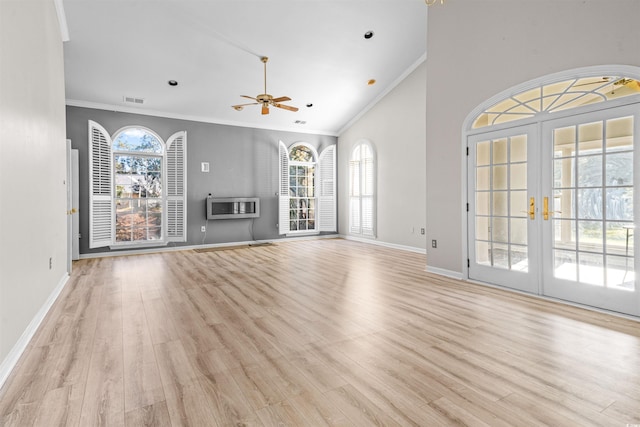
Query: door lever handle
[
  {"x": 532, "y": 208},
  {"x": 545, "y": 209}
]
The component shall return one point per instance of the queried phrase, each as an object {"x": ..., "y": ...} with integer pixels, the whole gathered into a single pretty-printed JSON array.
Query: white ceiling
[{"x": 317, "y": 55}]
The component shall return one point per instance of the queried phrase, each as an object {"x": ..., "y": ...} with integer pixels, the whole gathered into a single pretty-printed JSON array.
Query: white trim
[
  {"x": 444, "y": 272},
  {"x": 171, "y": 248},
  {"x": 384, "y": 93},
  {"x": 372, "y": 241},
  {"x": 62, "y": 20},
  {"x": 188, "y": 117},
  {"x": 12, "y": 358}
]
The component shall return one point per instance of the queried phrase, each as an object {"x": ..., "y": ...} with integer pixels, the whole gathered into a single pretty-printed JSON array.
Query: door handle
[
  {"x": 545, "y": 209},
  {"x": 532, "y": 208}
]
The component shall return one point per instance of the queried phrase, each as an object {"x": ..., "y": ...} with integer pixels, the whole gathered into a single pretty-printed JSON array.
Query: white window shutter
[
  {"x": 354, "y": 197},
  {"x": 283, "y": 190},
  {"x": 100, "y": 187},
  {"x": 327, "y": 194},
  {"x": 368, "y": 197},
  {"x": 176, "y": 211}
]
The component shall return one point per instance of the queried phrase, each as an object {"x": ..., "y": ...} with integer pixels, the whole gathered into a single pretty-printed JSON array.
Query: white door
[
  {"x": 588, "y": 233},
  {"x": 502, "y": 210}
]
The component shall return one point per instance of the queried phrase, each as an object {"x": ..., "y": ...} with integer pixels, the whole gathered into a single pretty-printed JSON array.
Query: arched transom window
[{"x": 558, "y": 96}]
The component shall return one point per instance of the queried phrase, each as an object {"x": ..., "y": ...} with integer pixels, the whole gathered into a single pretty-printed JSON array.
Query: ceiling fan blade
[
  {"x": 244, "y": 105},
  {"x": 286, "y": 107},
  {"x": 281, "y": 99},
  {"x": 250, "y": 97},
  {"x": 265, "y": 109}
]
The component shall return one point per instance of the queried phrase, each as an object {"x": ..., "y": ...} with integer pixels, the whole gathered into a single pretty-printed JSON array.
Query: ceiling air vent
[
  {"x": 300, "y": 122},
  {"x": 133, "y": 100}
]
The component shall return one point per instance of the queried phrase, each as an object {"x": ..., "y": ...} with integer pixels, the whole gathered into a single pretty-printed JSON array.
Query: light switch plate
[{"x": 204, "y": 166}]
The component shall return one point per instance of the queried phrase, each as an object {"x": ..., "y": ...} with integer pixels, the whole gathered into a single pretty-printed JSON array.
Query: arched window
[
  {"x": 307, "y": 201},
  {"x": 138, "y": 173},
  {"x": 362, "y": 202},
  {"x": 557, "y": 96},
  {"x": 137, "y": 187}
]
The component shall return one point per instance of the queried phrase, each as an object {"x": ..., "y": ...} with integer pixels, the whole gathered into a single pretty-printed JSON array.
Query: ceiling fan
[{"x": 264, "y": 98}]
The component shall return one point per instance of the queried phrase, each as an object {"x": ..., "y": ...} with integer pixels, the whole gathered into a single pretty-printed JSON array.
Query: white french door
[
  {"x": 589, "y": 184},
  {"x": 552, "y": 208},
  {"x": 502, "y": 192}
]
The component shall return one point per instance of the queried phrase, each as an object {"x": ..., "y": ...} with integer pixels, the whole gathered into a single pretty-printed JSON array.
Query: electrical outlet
[
  {"x": 422, "y": 231},
  {"x": 434, "y": 243},
  {"x": 50, "y": 263},
  {"x": 203, "y": 229}
]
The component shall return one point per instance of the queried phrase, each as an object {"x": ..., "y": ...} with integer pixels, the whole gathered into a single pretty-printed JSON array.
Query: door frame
[{"x": 467, "y": 129}]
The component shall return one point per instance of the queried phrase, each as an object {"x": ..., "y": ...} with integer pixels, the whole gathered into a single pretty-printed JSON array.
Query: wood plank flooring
[{"x": 315, "y": 333}]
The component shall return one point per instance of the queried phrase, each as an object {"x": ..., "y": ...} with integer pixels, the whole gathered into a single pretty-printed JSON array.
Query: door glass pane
[
  {"x": 518, "y": 203},
  {"x": 620, "y": 134},
  {"x": 499, "y": 151},
  {"x": 591, "y": 269},
  {"x": 518, "y": 175},
  {"x": 565, "y": 265},
  {"x": 501, "y": 207},
  {"x": 620, "y": 273},
  {"x": 593, "y": 183},
  {"x": 483, "y": 153},
  {"x": 590, "y": 138},
  {"x": 519, "y": 148}
]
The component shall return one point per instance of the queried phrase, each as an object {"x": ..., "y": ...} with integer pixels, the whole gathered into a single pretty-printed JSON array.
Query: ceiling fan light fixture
[{"x": 371, "y": 82}]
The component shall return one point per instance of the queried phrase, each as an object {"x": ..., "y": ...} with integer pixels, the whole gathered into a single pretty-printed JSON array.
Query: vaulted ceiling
[{"x": 317, "y": 52}]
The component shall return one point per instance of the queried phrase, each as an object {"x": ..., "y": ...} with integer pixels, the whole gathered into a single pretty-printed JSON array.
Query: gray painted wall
[{"x": 243, "y": 163}]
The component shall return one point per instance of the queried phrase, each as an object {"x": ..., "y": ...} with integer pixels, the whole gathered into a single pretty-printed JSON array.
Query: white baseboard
[
  {"x": 12, "y": 358},
  {"x": 444, "y": 272},
  {"x": 385, "y": 244},
  {"x": 159, "y": 249}
]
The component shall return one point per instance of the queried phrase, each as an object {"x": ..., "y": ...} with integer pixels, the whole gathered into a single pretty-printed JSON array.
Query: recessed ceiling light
[
  {"x": 371, "y": 82},
  {"x": 368, "y": 35},
  {"x": 172, "y": 83},
  {"x": 309, "y": 105}
]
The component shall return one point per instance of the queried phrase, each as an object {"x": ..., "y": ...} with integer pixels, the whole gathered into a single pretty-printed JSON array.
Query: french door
[
  {"x": 552, "y": 208},
  {"x": 588, "y": 184},
  {"x": 504, "y": 240}
]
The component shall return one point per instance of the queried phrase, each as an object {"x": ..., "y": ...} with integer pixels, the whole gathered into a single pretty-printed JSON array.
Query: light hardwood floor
[{"x": 324, "y": 332}]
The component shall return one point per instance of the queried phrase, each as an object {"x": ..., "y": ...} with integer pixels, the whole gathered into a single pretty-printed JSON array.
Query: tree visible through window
[{"x": 138, "y": 185}]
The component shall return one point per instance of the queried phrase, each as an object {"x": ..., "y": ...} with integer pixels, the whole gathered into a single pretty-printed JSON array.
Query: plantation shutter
[
  {"x": 176, "y": 212},
  {"x": 100, "y": 187},
  {"x": 327, "y": 194},
  {"x": 283, "y": 191},
  {"x": 354, "y": 197},
  {"x": 368, "y": 196}
]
